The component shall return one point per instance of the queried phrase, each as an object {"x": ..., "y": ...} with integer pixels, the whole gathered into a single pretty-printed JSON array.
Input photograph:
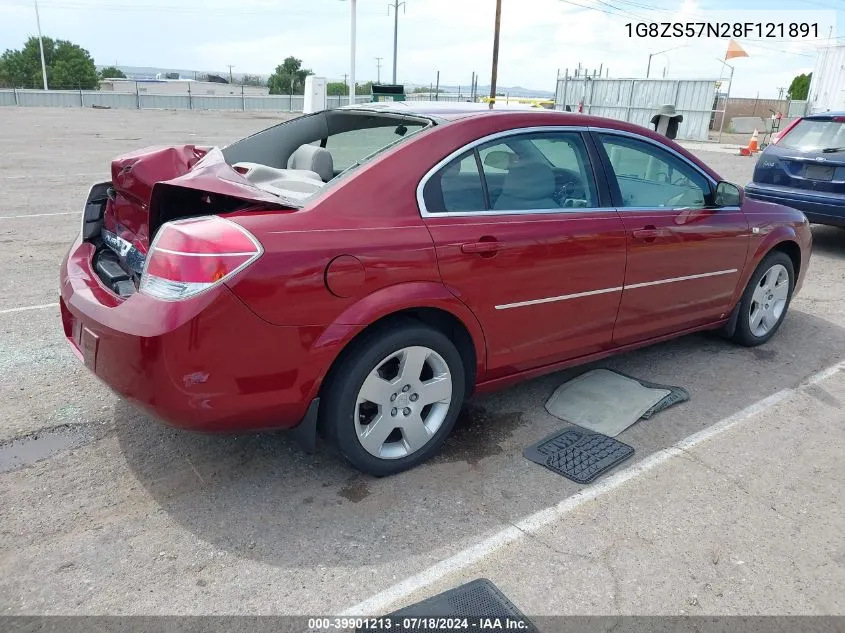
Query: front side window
[
  {"x": 649, "y": 176},
  {"x": 540, "y": 171}
]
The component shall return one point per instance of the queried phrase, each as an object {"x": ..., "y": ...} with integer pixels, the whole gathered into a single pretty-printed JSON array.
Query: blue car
[{"x": 804, "y": 168}]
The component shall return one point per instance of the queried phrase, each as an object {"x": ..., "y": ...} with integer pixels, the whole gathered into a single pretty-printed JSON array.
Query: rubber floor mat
[
  {"x": 578, "y": 454},
  {"x": 554, "y": 443},
  {"x": 677, "y": 395},
  {"x": 608, "y": 402},
  {"x": 477, "y": 601}
]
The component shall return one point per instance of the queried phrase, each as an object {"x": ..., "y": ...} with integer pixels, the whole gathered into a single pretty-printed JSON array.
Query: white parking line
[
  {"x": 36, "y": 215},
  {"x": 25, "y": 308},
  {"x": 380, "y": 603}
]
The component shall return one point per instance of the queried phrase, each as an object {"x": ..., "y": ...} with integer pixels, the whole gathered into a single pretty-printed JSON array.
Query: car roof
[{"x": 442, "y": 109}]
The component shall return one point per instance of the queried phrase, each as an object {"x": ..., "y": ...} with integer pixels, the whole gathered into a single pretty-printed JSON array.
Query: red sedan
[{"x": 361, "y": 271}]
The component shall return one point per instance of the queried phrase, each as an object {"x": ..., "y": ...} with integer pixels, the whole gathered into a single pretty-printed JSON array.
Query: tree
[
  {"x": 251, "y": 80},
  {"x": 112, "y": 72},
  {"x": 337, "y": 89},
  {"x": 68, "y": 65},
  {"x": 365, "y": 88},
  {"x": 289, "y": 77},
  {"x": 800, "y": 87}
]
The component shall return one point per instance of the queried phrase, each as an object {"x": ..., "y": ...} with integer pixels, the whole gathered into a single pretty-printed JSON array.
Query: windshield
[{"x": 815, "y": 135}]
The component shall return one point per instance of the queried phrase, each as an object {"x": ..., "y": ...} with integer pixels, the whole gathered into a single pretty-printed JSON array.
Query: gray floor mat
[{"x": 605, "y": 401}]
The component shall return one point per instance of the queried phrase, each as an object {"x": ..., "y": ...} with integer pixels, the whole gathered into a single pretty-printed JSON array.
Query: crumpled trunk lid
[{"x": 146, "y": 181}]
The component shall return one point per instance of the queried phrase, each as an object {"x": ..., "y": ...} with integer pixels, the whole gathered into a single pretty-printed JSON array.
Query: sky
[{"x": 538, "y": 37}]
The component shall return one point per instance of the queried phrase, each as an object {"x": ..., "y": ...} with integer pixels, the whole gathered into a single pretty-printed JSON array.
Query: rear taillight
[
  {"x": 778, "y": 136},
  {"x": 190, "y": 256}
]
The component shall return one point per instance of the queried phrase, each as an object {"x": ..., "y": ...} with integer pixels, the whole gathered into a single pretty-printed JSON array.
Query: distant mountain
[
  {"x": 150, "y": 72},
  {"x": 483, "y": 90}
]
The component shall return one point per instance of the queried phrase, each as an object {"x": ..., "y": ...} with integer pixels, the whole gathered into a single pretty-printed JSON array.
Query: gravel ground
[{"x": 131, "y": 517}]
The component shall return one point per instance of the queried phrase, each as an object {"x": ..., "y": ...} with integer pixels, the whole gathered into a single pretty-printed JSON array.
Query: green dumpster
[{"x": 388, "y": 92}]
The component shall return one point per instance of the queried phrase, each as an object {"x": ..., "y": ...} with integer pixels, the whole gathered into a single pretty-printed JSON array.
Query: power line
[{"x": 820, "y": 4}]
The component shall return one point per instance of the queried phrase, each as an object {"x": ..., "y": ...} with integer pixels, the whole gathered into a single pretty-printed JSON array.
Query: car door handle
[
  {"x": 481, "y": 247},
  {"x": 647, "y": 234}
]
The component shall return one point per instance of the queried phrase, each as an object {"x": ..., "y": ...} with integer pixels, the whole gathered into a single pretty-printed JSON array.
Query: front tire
[
  {"x": 765, "y": 300},
  {"x": 394, "y": 397}
]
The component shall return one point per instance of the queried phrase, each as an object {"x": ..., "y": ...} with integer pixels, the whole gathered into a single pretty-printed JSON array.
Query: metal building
[{"x": 827, "y": 87}]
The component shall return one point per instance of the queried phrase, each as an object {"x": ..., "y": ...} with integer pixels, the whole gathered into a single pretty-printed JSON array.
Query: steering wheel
[{"x": 571, "y": 189}]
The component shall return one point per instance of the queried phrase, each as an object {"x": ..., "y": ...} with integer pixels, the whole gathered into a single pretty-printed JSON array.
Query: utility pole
[
  {"x": 378, "y": 69},
  {"x": 41, "y": 46},
  {"x": 780, "y": 93},
  {"x": 352, "y": 53},
  {"x": 495, "y": 52},
  {"x": 230, "y": 72},
  {"x": 396, "y": 4}
]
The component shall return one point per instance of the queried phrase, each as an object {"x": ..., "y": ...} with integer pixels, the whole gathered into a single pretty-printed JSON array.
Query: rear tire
[
  {"x": 394, "y": 397},
  {"x": 765, "y": 300}
]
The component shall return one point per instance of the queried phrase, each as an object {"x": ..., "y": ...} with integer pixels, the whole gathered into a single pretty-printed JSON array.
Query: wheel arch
[
  {"x": 786, "y": 243},
  {"x": 425, "y": 302},
  {"x": 791, "y": 248}
]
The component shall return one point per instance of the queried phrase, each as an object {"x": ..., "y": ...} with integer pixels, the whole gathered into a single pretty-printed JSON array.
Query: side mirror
[{"x": 727, "y": 195}]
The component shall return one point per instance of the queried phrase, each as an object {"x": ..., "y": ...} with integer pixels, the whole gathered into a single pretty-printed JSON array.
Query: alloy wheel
[
  {"x": 403, "y": 402},
  {"x": 769, "y": 300}
]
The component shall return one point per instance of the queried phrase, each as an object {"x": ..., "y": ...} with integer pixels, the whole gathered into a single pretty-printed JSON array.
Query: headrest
[
  {"x": 499, "y": 159},
  {"x": 529, "y": 181},
  {"x": 313, "y": 158}
]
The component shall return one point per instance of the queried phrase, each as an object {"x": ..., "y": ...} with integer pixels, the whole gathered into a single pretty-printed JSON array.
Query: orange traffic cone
[{"x": 753, "y": 145}]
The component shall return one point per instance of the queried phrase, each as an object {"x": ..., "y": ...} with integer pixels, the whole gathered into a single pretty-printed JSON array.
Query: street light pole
[
  {"x": 378, "y": 69},
  {"x": 650, "y": 55},
  {"x": 41, "y": 46},
  {"x": 495, "y": 68},
  {"x": 727, "y": 97}
]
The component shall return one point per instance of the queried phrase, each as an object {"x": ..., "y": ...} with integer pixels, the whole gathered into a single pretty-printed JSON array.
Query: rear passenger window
[
  {"x": 523, "y": 172},
  {"x": 456, "y": 187}
]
